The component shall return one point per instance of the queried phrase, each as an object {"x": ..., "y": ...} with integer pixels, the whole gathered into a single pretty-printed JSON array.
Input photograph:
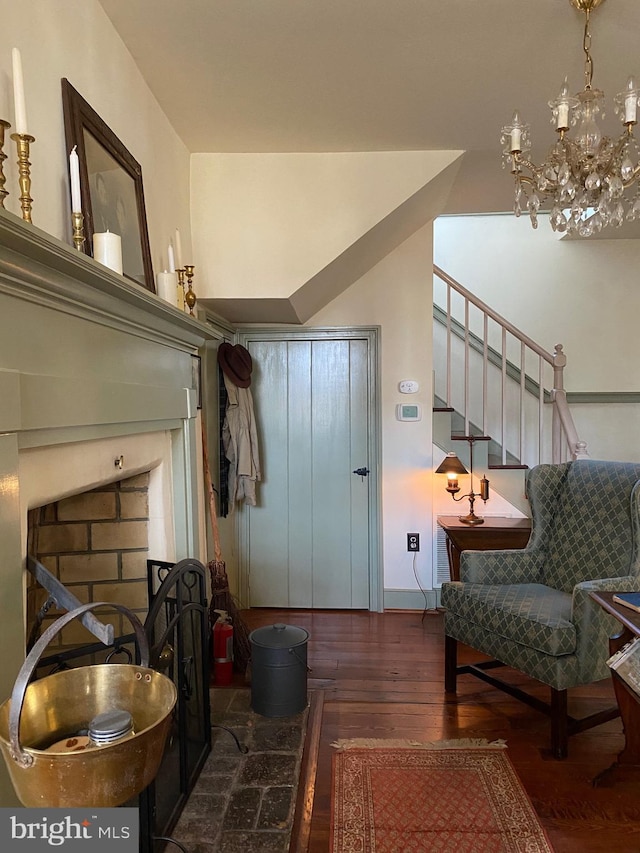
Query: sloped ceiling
[
  {"x": 249, "y": 76},
  {"x": 380, "y": 75}
]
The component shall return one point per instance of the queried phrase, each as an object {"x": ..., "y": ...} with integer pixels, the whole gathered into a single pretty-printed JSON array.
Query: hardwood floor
[{"x": 382, "y": 676}]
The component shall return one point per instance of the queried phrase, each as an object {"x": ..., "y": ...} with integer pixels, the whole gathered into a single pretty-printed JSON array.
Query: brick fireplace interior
[{"x": 97, "y": 544}]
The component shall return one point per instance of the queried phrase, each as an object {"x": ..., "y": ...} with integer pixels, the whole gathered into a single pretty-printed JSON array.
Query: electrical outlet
[{"x": 413, "y": 541}]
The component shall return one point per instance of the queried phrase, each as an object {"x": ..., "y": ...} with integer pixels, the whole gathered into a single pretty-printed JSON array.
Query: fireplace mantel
[
  {"x": 93, "y": 368},
  {"x": 37, "y": 267}
]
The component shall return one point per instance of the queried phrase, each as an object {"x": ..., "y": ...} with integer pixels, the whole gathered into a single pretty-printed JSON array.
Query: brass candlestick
[
  {"x": 23, "y": 141},
  {"x": 181, "y": 293},
  {"x": 4, "y": 125},
  {"x": 78, "y": 229},
  {"x": 189, "y": 297}
]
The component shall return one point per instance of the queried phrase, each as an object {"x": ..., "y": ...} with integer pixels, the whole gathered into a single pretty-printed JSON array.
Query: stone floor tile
[
  {"x": 276, "y": 808},
  {"x": 220, "y": 765},
  {"x": 268, "y": 768},
  {"x": 243, "y": 809},
  {"x": 277, "y": 737},
  {"x": 219, "y": 784},
  {"x": 203, "y": 805},
  {"x": 254, "y": 842}
]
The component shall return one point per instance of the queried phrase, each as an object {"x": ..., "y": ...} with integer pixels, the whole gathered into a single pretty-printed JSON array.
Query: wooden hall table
[
  {"x": 497, "y": 533},
  {"x": 628, "y": 700}
]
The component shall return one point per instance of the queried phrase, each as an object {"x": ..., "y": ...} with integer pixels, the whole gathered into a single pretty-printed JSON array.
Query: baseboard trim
[{"x": 411, "y": 599}]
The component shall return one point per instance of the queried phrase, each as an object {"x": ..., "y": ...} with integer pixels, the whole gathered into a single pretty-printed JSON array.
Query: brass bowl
[{"x": 64, "y": 703}]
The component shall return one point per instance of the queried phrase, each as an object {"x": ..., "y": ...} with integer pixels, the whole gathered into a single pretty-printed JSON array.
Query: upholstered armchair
[{"x": 530, "y": 609}]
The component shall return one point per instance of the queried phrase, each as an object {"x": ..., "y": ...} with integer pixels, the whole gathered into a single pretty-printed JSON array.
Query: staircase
[{"x": 496, "y": 384}]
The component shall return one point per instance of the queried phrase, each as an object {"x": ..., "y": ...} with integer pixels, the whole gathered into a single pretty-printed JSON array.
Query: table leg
[{"x": 629, "y": 705}]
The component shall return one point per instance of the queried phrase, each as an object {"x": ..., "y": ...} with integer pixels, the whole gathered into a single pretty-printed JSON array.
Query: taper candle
[
  {"x": 18, "y": 93},
  {"x": 178, "y": 251},
  {"x": 172, "y": 263},
  {"x": 74, "y": 172},
  {"x": 107, "y": 249}
]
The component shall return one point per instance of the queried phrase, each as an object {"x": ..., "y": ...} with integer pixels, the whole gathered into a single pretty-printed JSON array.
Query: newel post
[{"x": 559, "y": 364}]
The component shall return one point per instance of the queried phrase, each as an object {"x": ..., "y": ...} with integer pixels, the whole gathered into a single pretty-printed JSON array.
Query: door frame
[{"x": 245, "y": 335}]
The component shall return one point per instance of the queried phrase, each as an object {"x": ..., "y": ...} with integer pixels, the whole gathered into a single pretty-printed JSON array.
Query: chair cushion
[{"x": 530, "y": 614}]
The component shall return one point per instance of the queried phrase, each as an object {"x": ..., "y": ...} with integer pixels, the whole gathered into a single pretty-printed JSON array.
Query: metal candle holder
[
  {"x": 190, "y": 296},
  {"x": 4, "y": 125},
  {"x": 78, "y": 230},
  {"x": 181, "y": 293},
  {"x": 23, "y": 141}
]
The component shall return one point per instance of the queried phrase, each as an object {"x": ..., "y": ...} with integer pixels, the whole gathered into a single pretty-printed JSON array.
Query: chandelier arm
[{"x": 586, "y": 46}]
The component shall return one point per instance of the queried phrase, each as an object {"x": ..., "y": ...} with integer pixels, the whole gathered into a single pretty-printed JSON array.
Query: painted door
[{"x": 307, "y": 542}]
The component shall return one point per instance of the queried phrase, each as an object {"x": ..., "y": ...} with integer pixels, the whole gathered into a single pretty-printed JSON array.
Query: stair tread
[
  {"x": 456, "y": 436},
  {"x": 508, "y": 467},
  {"x": 443, "y": 409}
]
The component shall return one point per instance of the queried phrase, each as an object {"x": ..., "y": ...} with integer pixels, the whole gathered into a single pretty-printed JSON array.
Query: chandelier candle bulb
[
  {"x": 18, "y": 93},
  {"x": 562, "y": 121},
  {"x": 631, "y": 102}
]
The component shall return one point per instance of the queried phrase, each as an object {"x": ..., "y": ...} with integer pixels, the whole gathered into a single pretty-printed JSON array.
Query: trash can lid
[{"x": 278, "y": 636}]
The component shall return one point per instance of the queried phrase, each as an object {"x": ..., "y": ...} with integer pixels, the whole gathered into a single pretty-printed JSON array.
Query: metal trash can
[{"x": 278, "y": 670}]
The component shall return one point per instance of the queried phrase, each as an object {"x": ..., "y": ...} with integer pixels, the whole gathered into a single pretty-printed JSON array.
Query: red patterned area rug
[{"x": 445, "y": 797}]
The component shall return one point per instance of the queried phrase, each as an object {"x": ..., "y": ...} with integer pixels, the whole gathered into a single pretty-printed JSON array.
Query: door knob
[{"x": 361, "y": 472}]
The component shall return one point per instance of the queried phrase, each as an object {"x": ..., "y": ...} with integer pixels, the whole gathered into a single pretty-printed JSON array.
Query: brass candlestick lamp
[{"x": 452, "y": 467}]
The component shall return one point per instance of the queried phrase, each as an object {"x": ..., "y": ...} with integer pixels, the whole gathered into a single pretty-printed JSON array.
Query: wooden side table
[
  {"x": 627, "y": 699},
  {"x": 496, "y": 533}
]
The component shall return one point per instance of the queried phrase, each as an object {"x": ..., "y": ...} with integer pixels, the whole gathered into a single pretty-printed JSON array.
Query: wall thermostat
[
  {"x": 408, "y": 386},
  {"x": 406, "y": 412}
]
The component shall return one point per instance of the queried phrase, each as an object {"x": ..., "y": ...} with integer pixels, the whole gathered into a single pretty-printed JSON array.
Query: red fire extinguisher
[{"x": 222, "y": 648}]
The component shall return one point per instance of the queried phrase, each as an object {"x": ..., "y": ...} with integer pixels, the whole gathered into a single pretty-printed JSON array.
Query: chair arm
[
  {"x": 594, "y": 625},
  {"x": 501, "y": 567}
]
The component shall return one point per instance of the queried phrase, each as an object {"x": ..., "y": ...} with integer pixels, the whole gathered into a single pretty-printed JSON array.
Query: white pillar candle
[
  {"x": 178, "y": 251},
  {"x": 18, "y": 92},
  {"x": 167, "y": 286},
  {"x": 172, "y": 263},
  {"x": 107, "y": 249},
  {"x": 74, "y": 172}
]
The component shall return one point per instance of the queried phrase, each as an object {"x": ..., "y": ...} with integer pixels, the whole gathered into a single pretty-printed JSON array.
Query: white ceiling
[{"x": 374, "y": 75}]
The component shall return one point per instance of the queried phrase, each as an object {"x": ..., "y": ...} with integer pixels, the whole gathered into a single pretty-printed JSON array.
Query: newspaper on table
[{"x": 626, "y": 663}]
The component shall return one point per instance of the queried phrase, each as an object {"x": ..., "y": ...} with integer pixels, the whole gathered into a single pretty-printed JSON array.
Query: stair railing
[{"x": 501, "y": 377}]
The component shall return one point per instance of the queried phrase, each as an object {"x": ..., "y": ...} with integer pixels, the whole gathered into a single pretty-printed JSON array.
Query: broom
[{"x": 221, "y": 597}]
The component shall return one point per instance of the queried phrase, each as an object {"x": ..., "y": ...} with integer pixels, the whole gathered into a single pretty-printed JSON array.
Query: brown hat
[{"x": 236, "y": 363}]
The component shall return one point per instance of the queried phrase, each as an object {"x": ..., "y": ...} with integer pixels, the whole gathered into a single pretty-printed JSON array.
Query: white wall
[
  {"x": 76, "y": 40},
  {"x": 264, "y": 224},
  {"x": 397, "y": 296},
  {"x": 582, "y": 294}
]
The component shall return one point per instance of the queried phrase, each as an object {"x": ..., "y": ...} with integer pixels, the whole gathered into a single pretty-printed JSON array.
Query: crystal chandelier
[{"x": 585, "y": 177}]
